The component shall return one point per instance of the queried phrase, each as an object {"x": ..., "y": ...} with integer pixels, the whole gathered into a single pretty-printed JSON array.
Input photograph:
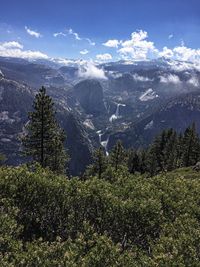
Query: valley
[{"x": 132, "y": 101}]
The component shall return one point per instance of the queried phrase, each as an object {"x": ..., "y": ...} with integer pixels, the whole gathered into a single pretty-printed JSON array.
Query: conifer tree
[
  {"x": 99, "y": 162},
  {"x": 142, "y": 154},
  {"x": 117, "y": 155},
  {"x": 191, "y": 147},
  {"x": 44, "y": 139},
  {"x": 170, "y": 151},
  {"x": 155, "y": 154},
  {"x": 133, "y": 161}
]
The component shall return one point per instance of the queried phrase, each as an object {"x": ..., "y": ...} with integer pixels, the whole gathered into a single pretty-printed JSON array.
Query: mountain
[
  {"x": 33, "y": 74},
  {"x": 178, "y": 114},
  {"x": 134, "y": 102},
  {"x": 89, "y": 93},
  {"x": 15, "y": 103}
]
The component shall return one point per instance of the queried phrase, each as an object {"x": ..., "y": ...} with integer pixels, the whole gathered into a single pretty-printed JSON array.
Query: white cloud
[
  {"x": 78, "y": 38},
  {"x": 33, "y": 33},
  {"x": 104, "y": 57},
  {"x": 166, "y": 53},
  {"x": 12, "y": 44},
  {"x": 139, "y": 78},
  {"x": 84, "y": 52},
  {"x": 56, "y": 34},
  {"x": 193, "y": 81},
  {"x": 89, "y": 70},
  {"x": 75, "y": 34},
  {"x": 15, "y": 49},
  {"x": 90, "y": 42},
  {"x": 171, "y": 78},
  {"x": 137, "y": 48},
  {"x": 186, "y": 54},
  {"x": 112, "y": 43}
]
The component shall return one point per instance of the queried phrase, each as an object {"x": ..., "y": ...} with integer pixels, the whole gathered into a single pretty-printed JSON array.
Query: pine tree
[
  {"x": 170, "y": 151},
  {"x": 142, "y": 154},
  {"x": 133, "y": 161},
  {"x": 44, "y": 139},
  {"x": 191, "y": 147},
  {"x": 117, "y": 156},
  {"x": 99, "y": 162},
  {"x": 155, "y": 154},
  {"x": 59, "y": 157}
]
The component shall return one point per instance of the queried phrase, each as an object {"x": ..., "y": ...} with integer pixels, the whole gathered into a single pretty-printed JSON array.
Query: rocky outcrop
[
  {"x": 15, "y": 102},
  {"x": 89, "y": 94}
]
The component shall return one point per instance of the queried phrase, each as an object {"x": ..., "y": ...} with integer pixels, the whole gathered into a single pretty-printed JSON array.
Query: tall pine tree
[
  {"x": 118, "y": 156},
  {"x": 44, "y": 139},
  {"x": 191, "y": 147},
  {"x": 99, "y": 162}
]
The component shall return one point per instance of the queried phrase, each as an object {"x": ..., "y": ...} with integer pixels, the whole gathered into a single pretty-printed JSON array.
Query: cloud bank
[
  {"x": 88, "y": 70},
  {"x": 139, "y": 47},
  {"x": 15, "y": 49},
  {"x": 104, "y": 57}
]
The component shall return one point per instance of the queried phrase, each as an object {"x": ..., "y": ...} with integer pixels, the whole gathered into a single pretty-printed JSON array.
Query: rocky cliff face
[
  {"x": 134, "y": 103},
  {"x": 178, "y": 114},
  {"x": 89, "y": 94},
  {"x": 15, "y": 102}
]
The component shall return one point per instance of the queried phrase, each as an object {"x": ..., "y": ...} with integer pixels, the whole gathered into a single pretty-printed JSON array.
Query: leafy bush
[{"x": 129, "y": 220}]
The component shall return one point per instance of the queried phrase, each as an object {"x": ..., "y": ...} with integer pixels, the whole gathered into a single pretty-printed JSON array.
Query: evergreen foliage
[
  {"x": 44, "y": 139},
  {"x": 190, "y": 146},
  {"x": 47, "y": 220},
  {"x": 117, "y": 156},
  {"x": 168, "y": 151}
]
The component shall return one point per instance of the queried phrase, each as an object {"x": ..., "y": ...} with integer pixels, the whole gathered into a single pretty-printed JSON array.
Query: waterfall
[
  {"x": 116, "y": 115},
  {"x": 104, "y": 143}
]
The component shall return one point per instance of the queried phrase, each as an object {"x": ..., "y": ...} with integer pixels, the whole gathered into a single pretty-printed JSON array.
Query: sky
[{"x": 103, "y": 30}]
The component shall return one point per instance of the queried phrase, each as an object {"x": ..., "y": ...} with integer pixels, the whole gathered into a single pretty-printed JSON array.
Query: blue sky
[{"x": 81, "y": 23}]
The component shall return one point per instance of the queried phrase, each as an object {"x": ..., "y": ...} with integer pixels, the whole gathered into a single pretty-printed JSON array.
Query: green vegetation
[
  {"x": 120, "y": 220},
  {"x": 132, "y": 208},
  {"x": 44, "y": 139}
]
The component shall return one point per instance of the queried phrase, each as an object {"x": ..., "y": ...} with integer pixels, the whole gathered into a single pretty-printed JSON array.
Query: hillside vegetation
[{"x": 129, "y": 220}]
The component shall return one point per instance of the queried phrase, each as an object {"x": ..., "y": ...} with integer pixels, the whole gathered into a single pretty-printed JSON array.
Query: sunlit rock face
[{"x": 89, "y": 93}]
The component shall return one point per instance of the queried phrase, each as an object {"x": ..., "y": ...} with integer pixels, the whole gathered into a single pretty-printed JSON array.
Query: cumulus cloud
[
  {"x": 186, "y": 54},
  {"x": 171, "y": 78},
  {"x": 84, "y": 52},
  {"x": 15, "y": 49},
  {"x": 137, "y": 48},
  {"x": 89, "y": 70},
  {"x": 104, "y": 57},
  {"x": 112, "y": 43},
  {"x": 33, "y": 33},
  {"x": 166, "y": 53},
  {"x": 12, "y": 44}
]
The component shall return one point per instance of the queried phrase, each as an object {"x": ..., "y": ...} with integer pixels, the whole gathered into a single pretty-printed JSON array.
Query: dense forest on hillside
[{"x": 129, "y": 220}]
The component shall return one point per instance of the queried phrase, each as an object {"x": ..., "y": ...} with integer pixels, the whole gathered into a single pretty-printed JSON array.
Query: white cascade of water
[
  {"x": 103, "y": 143},
  {"x": 116, "y": 115}
]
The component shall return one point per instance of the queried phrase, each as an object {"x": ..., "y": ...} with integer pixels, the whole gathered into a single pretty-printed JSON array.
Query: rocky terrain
[{"x": 132, "y": 101}]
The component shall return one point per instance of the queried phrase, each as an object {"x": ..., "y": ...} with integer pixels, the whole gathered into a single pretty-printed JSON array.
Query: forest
[{"x": 131, "y": 208}]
